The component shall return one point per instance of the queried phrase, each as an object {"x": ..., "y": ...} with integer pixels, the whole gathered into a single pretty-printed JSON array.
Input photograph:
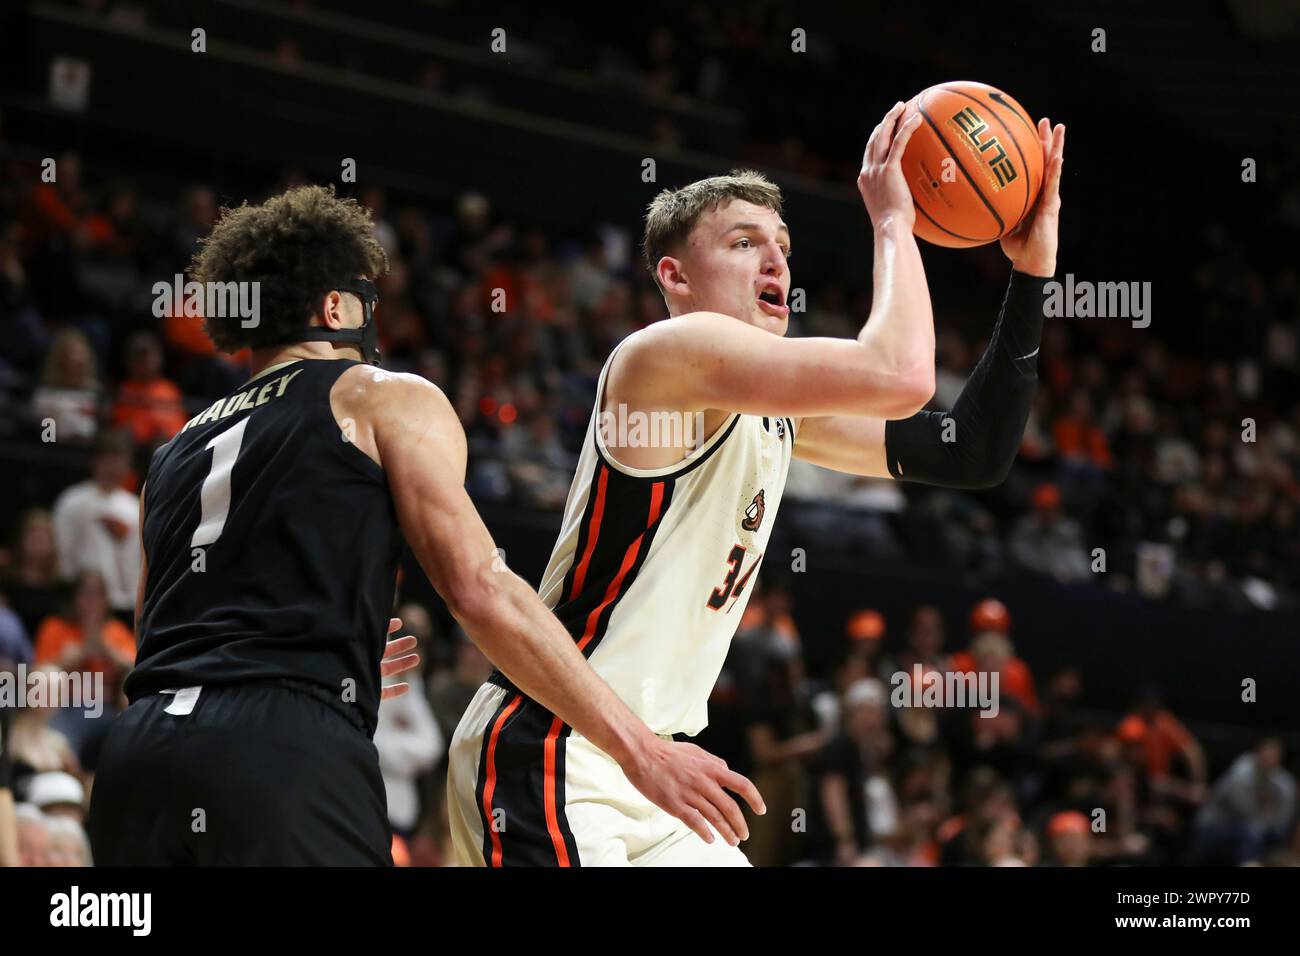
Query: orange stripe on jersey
[
  {"x": 552, "y": 816},
  {"x": 629, "y": 559},
  {"x": 490, "y": 784},
  {"x": 593, "y": 532}
]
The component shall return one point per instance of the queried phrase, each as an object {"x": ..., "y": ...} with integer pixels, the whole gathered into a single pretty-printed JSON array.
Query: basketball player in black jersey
[{"x": 272, "y": 526}]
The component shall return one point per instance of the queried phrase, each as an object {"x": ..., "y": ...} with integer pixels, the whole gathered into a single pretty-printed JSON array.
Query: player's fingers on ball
[
  {"x": 879, "y": 141},
  {"x": 891, "y": 121},
  {"x": 885, "y": 132},
  {"x": 869, "y": 154},
  {"x": 905, "y": 131}
]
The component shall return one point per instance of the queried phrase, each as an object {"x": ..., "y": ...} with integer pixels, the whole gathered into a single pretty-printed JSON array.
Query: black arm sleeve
[{"x": 984, "y": 428}]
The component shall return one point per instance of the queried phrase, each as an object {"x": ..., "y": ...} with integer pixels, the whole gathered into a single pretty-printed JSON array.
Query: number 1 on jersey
[{"x": 214, "y": 497}]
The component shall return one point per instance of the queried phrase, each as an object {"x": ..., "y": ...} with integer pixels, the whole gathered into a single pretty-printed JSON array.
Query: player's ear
[
  {"x": 331, "y": 310},
  {"x": 672, "y": 278}
]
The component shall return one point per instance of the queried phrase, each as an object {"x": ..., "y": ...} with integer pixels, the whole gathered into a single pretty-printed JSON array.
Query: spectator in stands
[
  {"x": 55, "y": 212},
  {"x": 116, "y": 230},
  {"x": 194, "y": 220},
  {"x": 1078, "y": 437},
  {"x": 15, "y": 647},
  {"x": 925, "y": 637},
  {"x": 451, "y": 690},
  {"x": 849, "y": 769},
  {"x": 148, "y": 404},
  {"x": 35, "y": 746},
  {"x": 783, "y": 734},
  {"x": 68, "y": 844},
  {"x": 1069, "y": 839},
  {"x": 33, "y": 836},
  {"x": 8, "y": 820},
  {"x": 991, "y": 651},
  {"x": 410, "y": 743},
  {"x": 993, "y": 842},
  {"x": 1047, "y": 542},
  {"x": 1250, "y": 810},
  {"x": 864, "y": 634},
  {"x": 57, "y": 793},
  {"x": 986, "y": 799},
  {"x": 88, "y": 637},
  {"x": 200, "y": 368},
  {"x": 911, "y": 843},
  {"x": 589, "y": 274},
  {"x": 97, "y": 525},
  {"x": 1156, "y": 737},
  {"x": 69, "y": 395},
  {"x": 26, "y": 339},
  {"x": 31, "y": 577}
]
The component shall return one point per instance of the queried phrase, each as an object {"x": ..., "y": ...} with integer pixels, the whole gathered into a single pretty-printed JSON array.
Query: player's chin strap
[{"x": 366, "y": 337}]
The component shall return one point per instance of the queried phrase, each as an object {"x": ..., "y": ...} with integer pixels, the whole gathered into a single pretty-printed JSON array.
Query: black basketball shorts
[{"x": 253, "y": 775}]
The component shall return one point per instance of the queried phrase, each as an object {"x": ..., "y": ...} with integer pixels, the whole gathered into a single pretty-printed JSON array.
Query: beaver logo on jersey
[{"x": 754, "y": 513}]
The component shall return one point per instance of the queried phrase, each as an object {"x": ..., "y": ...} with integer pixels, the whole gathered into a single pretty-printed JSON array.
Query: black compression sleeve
[{"x": 973, "y": 445}]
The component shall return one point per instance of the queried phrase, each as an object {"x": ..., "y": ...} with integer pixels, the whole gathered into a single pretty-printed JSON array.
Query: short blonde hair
[{"x": 674, "y": 212}]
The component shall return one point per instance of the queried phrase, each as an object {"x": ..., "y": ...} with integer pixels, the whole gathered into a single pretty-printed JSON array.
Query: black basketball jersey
[{"x": 272, "y": 547}]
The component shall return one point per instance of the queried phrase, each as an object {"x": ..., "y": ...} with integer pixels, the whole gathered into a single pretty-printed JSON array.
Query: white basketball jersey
[{"x": 653, "y": 568}]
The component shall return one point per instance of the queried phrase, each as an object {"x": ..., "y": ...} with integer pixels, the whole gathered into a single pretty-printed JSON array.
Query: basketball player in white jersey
[{"x": 661, "y": 539}]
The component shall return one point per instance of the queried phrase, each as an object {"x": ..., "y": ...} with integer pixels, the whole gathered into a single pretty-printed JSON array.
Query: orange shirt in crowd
[
  {"x": 56, "y": 635},
  {"x": 1014, "y": 679},
  {"x": 1077, "y": 439},
  {"x": 185, "y": 334},
  {"x": 149, "y": 410},
  {"x": 46, "y": 215},
  {"x": 1162, "y": 736}
]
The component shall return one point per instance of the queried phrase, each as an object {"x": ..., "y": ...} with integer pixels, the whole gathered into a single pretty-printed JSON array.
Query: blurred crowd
[
  {"x": 864, "y": 767},
  {"x": 1175, "y": 474}
]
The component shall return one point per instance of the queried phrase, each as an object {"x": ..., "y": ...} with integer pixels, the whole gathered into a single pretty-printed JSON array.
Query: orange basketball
[{"x": 974, "y": 165}]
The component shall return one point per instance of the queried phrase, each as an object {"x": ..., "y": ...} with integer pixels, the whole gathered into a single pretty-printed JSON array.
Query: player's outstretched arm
[
  {"x": 975, "y": 443},
  {"x": 704, "y": 360},
  {"x": 410, "y": 428}
]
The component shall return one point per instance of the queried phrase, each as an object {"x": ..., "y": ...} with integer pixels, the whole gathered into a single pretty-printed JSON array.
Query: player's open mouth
[{"x": 770, "y": 300}]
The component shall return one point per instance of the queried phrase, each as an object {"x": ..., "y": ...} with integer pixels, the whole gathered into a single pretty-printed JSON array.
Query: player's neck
[{"x": 262, "y": 359}]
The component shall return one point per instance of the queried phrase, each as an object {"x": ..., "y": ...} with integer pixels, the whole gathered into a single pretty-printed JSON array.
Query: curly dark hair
[{"x": 298, "y": 246}]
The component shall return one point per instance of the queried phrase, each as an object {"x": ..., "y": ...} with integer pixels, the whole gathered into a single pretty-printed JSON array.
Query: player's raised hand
[
  {"x": 692, "y": 785},
  {"x": 881, "y": 182},
  {"x": 397, "y": 661},
  {"x": 1031, "y": 247}
]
